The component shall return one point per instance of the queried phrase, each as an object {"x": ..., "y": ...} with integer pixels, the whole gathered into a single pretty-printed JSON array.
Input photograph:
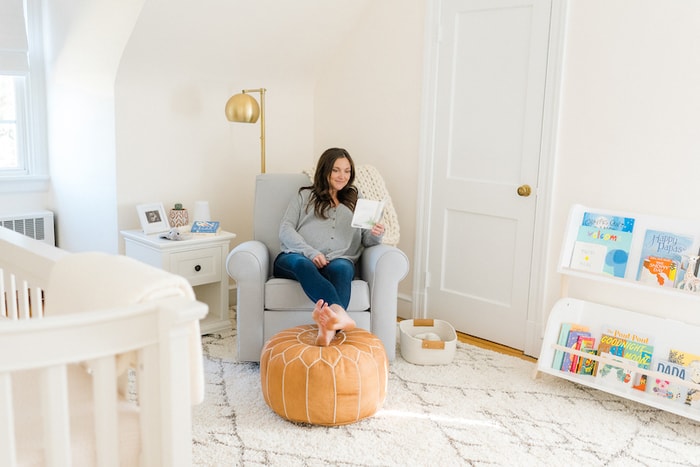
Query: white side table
[{"x": 200, "y": 260}]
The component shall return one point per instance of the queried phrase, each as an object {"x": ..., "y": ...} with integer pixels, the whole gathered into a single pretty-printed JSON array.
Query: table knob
[{"x": 198, "y": 268}]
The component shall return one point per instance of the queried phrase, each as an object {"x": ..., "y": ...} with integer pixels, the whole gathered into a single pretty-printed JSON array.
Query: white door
[{"x": 492, "y": 58}]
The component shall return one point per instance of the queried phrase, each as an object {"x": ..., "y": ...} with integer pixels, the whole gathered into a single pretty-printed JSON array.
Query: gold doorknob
[{"x": 524, "y": 190}]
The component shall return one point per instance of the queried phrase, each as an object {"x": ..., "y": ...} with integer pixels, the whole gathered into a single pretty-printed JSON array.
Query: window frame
[{"x": 33, "y": 174}]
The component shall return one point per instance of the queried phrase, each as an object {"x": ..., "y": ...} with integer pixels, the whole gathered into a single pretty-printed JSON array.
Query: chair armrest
[
  {"x": 249, "y": 265},
  {"x": 383, "y": 267}
]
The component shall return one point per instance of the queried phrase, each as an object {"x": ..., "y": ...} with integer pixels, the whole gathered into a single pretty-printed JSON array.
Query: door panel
[{"x": 491, "y": 79}]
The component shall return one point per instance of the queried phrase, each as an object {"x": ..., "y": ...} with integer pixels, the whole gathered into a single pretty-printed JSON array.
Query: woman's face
[{"x": 340, "y": 174}]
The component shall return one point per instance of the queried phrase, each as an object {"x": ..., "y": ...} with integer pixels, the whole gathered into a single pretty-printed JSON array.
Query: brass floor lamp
[{"x": 243, "y": 108}]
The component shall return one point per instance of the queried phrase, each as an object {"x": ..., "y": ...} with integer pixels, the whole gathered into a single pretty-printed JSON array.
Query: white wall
[
  {"x": 630, "y": 125},
  {"x": 368, "y": 101},
  {"x": 84, "y": 42}
]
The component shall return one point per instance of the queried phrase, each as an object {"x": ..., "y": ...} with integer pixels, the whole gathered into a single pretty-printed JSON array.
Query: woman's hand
[
  {"x": 320, "y": 261},
  {"x": 378, "y": 230}
]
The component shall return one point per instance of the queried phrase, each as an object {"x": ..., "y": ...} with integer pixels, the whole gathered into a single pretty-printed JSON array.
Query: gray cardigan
[{"x": 301, "y": 231}]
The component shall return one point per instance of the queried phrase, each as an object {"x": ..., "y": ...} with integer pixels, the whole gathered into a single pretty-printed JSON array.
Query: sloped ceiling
[{"x": 219, "y": 37}]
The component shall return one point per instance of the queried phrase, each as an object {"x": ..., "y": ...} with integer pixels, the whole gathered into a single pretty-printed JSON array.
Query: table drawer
[{"x": 200, "y": 266}]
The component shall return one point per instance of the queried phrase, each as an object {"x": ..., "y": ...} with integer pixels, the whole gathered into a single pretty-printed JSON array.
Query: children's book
[
  {"x": 691, "y": 363},
  {"x": 563, "y": 338},
  {"x": 692, "y": 374},
  {"x": 603, "y": 244},
  {"x": 609, "y": 345},
  {"x": 664, "y": 258},
  {"x": 640, "y": 354},
  {"x": 612, "y": 375},
  {"x": 584, "y": 344},
  {"x": 587, "y": 364},
  {"x": 631, "y": 347},
  {"x": 682, "y": 357},
  {"x": 205, "y": 227},
  {"x": 667, "y": 388},
  {"x": 571, "y": 342},
  {"x": 367, "y": 213}
]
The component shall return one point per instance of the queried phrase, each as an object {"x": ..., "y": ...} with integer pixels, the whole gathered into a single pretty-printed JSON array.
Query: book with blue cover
[
  {"x": 571, "y": 342},
  {"x": 205, "y": 227},
  {"x": 603, "y": 244},
  {"x": 664, "y": 257}
]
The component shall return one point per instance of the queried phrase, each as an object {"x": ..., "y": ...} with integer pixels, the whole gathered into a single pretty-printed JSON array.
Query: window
[
  {"x": 23, "y": 158},
  {"x": 12, "y": 121}
]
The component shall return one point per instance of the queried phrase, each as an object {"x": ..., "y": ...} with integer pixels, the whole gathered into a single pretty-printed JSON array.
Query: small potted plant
[{"x": 178, "y": 216}]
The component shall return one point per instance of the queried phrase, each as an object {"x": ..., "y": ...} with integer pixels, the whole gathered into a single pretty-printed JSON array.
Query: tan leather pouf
[{"x": 335, "y": 385}]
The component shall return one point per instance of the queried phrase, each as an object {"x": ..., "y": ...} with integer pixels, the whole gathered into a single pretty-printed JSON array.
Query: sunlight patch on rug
[{"x": 433, "y": 418}]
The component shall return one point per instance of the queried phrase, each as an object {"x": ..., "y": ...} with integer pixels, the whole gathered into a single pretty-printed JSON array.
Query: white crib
[{"x": 70, "y": 325}]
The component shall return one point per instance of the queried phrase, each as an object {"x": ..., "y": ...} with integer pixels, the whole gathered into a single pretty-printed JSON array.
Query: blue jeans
[{"x": 331, "y": 283}]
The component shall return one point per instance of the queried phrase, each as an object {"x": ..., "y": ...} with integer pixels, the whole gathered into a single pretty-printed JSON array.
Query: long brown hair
[{"x": 321, "y": 189}]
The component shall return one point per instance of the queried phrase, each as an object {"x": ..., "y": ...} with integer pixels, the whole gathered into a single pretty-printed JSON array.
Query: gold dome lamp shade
[{"x": 243, "y": 108}]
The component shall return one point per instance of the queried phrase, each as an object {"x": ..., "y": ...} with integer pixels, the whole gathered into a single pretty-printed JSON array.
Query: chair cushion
[{"x": 287, "y": 294}]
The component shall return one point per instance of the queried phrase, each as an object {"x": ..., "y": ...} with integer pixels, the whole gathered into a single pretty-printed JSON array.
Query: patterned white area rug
[{"x": 482, "y": 409}]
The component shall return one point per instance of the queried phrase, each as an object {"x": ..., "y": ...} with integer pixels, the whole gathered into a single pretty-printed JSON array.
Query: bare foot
[
  {"x": 322, "y": 315},
  {"x": 340, "y": 320},
  {"x": 317, "y": 310}
]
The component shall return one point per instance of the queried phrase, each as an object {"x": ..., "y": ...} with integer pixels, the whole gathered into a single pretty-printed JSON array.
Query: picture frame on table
[{"x": 153, "y": 218}]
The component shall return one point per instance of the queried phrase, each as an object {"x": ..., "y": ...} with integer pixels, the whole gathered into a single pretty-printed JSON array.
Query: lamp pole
[{"x": 262, "y": 125}]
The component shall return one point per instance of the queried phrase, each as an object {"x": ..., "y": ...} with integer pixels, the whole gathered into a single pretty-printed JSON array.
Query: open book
[{"x": 367, "y": 213}]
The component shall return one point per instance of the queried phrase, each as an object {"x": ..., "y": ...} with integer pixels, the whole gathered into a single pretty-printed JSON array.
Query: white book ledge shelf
[
  {"x": 675, "y": 335},
  {"x": 665, "y": 334}
]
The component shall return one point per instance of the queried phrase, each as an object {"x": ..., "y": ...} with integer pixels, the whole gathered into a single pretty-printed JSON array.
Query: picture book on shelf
[
  {"x": 584, "y": 344},
  {"x": 586, "y": 365},
  {"x": 692, "y": 374},
  {"x": 603, "y": 244},
  {"x": 631, "y": 347},
  {"x": 664, "y": 257},
  {"x": 691, "y": 364},
  {"x": 609, "y": 345},
  {"x": 668, "y": 388},
  {"x": 681, "y": 357},
  {"x": 563, "y": 338},
  {"x": 612, "y": 375},
  {"x": 571, "y": 342},
  {"x": 640, "y": 354}
]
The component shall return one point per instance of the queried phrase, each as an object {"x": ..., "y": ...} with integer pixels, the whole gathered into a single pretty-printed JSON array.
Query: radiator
[{"x": 37, "y": 225}]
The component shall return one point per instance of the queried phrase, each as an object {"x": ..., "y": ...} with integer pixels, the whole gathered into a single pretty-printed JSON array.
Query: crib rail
[
  {"x": 25, "y": 266},
  {"x": 158, "y": 333},
  {"x": 53, "y": 350}
]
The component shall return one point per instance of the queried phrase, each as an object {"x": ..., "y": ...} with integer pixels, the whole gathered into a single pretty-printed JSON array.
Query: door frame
[{"x": 536, "y": 315}]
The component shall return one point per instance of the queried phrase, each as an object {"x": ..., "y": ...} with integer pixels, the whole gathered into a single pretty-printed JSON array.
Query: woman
[{"x": 320, "y": 247}]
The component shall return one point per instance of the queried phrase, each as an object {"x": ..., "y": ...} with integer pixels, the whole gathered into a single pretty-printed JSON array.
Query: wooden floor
[{"x": 484, "y": 344}]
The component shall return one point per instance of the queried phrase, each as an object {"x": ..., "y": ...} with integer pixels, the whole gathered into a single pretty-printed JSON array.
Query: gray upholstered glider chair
[{"x": 266, "y": 305}]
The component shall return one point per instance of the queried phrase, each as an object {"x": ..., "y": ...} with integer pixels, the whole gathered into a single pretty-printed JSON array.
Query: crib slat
[
  {"x": 37, "y": 302},
  {"x": 54, "y": 405},
  {"x": 3, "y": 295},
  {"x": 148, "y": 372},
  {"x": 23, "y": 300},
  {"x": 105, "y": 411},
  {"x": 10, "y": 296},
  {"x": 8, "y": 454}
]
